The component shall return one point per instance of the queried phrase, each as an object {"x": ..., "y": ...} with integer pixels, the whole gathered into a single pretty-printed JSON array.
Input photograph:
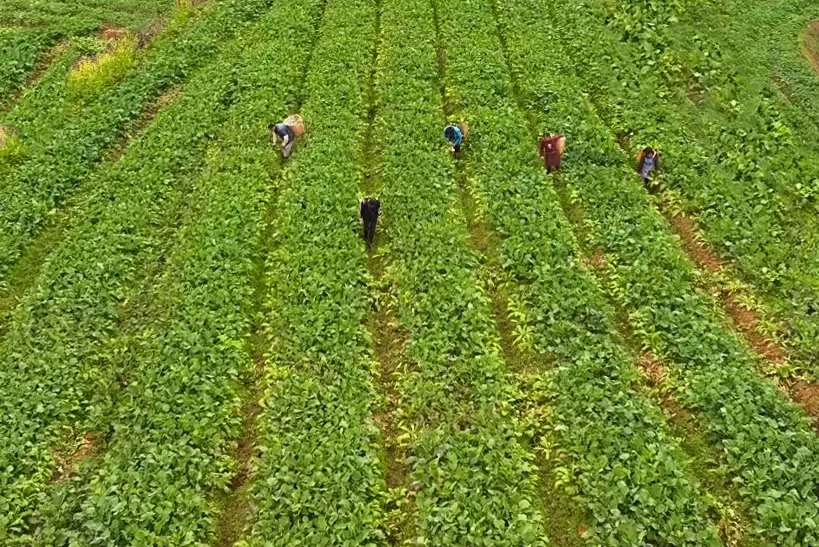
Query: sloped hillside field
[{"x": 199, "y": 348}]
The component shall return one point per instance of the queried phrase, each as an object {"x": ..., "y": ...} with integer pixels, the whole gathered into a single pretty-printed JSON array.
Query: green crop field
[{"x": 197, "y": 347}]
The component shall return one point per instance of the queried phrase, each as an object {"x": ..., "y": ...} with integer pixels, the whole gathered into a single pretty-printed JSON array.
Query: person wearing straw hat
[
  {"x": 551, "y": 150},
  {"x": 287, "y": 130}
]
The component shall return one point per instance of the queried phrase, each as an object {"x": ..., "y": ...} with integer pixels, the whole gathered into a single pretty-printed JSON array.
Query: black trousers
[{"x": 369, "y": 230}]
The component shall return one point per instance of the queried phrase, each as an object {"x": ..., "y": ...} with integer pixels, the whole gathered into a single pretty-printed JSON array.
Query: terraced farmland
[{"x": 198, "y": 348}]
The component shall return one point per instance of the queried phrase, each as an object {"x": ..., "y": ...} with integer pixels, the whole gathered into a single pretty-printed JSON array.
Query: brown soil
[
  {"x": 113, "y": 34},
  {"x": 694, "y": 246},
  {"x": 811, "y": 45},
  {"x": 68, "y": 464},
  {"x": 807, "y": 395},
  {"x": 596, "y": 262},
  {"x": 235, "y": 514},
  {"x": 747, "y": 321},
  {"x": 390, "y": 346},
  {"x": 653, "y": 369}
]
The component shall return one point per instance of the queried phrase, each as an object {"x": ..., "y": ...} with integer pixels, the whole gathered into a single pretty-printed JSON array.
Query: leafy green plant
[
  {"x": 611, "y": 449},
  {"x": 28, "y": 29},
  {"x": 111, "y": 334},
  {"x": 93, "y": 74},
  {"x": 318, "y": 479},
  {"x": 474, "y": 479},
  {"x": 765, "y": 442},
  {"x": 744, "y": 169},
  {"x": 11, "y": 148},
  {"x": 66, "y": 141}
]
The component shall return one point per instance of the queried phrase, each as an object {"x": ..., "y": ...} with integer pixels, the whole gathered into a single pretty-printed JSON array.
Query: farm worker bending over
[
  {"x": 648, "y": 161},
  {"x": 369, "y": 208},
  {"x": 551, "y": 150},
  {"x": 455, "y": 135},
  {"x": 287, "y": 131}
]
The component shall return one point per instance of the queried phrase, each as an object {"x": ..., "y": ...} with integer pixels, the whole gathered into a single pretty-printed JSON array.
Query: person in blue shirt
[
  {"x": 454, "y": 135},
  {"x": 648, "y": 162}
]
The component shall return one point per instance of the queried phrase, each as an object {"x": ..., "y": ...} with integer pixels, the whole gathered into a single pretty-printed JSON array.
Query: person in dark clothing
[
  {"x": 285, "y": 133},
  {"x": 369, "y": 209},
  {"x": 648, "y": 161}
]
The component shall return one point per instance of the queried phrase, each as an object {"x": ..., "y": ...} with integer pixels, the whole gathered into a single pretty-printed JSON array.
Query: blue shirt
[
  {"x": 457, "y": 134},
  {"x": 648, "y": 166}
]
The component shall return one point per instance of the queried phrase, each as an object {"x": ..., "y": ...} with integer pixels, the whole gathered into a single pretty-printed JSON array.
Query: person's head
[
  {"x": 648, "y": 151},
  {"x": 271, "y": 127},
  {"x": 449, "y": 133}
]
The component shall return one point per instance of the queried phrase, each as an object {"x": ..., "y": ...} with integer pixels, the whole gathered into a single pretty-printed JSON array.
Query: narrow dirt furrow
[
  {"x": 389, "y": 340},
  {"x": 737, "y": 301},
  {"x": 319, "y": 478},
  {"x": 560, "y": 313},
  {"x": 566, "y": 524},
  {"x": 25, "y": 271},
  {"x": 468, "y": 477}
]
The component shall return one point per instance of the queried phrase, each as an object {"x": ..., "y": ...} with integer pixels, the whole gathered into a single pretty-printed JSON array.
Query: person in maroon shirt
[{"x": 551, "y": 149}]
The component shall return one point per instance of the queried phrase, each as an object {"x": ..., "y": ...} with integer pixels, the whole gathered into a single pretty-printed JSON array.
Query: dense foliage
[
  {"x": 473, "y": 477},
  {"x": 66, "y": 135},
  {"x": 202, "y": 348},
  {"x": 728, "y": 151},
  {"x": 28, "y": 29},
  {"x": 319, "y": 480},
  {"x": 598, "y": 421},
  {"x": 766, "y": 442},
  {"x": 80, "y": 355}
]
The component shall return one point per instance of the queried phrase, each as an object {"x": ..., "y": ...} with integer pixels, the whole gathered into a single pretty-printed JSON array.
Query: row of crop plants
[
  {"x": 76, "y": 344},
  {"x": 169, "y": 436},
  {"x": 469, "y": 475},
  {"x": 28, "y": 29},
  {"x": 765, "y": 442},
  {"x": 749, "y": 186},
  {"x": 318, "y": 479},
  {"x": 64, "y": 136},
  {"x": 20, "y": 48},
  {"x": 610, "y": 447},
  {"x": 765, "y": 45}
]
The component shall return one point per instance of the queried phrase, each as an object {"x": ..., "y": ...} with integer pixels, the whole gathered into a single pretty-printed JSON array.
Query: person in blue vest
[{"x": 454, "y": 135}]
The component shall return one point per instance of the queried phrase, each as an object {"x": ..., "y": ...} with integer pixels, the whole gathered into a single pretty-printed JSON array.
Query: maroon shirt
[{"x": 550, "y": 152}]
